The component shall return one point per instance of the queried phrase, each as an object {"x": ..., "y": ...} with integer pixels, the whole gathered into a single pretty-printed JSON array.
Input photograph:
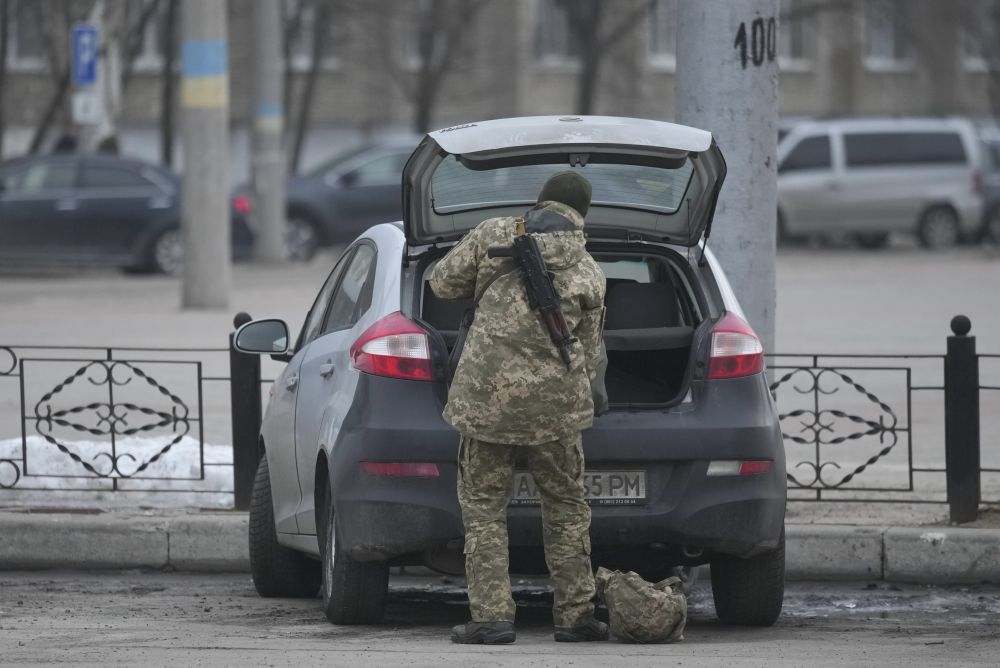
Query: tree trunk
[
  {"x": 168, "y": 94},
  {"x": 586, "y": 89},
  {"x": 322, "y": 21},
  {"x": 3, "y": 70},
  {"x": 52, "y": 110}
]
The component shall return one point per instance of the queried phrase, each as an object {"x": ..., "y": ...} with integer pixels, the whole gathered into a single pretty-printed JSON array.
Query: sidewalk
[{"x": 217, "y": 541}]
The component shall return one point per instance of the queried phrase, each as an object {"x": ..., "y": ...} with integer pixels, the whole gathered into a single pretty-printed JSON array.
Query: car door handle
[
  {"x": 326, "y": 370},
  {"x": 292, "y": 383},
  {"x": 66, "y": 205}
]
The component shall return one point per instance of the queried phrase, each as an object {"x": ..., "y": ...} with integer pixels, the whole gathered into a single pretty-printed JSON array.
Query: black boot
[
  {"x": 485, "y": 633},
  {"x": 589, "y": 629}
]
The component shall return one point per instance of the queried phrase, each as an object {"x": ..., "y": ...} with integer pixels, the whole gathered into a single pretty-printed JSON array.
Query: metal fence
[{"x": 87, "y": 423}]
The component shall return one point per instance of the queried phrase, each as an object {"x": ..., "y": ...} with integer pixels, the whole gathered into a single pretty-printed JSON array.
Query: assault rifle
[{"x": 542, "y": 295}]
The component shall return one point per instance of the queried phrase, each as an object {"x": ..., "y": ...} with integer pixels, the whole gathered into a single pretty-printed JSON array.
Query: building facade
[{"x": 378, "y": 58}]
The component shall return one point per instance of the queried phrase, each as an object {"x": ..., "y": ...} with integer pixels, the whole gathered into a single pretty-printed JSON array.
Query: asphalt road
[{"x": 218, "y": 620}]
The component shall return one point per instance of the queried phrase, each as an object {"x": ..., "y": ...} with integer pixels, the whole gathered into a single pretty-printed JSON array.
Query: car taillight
[
  {"x": 394, "y": 347},
  {"x": 241, "y": 203},
  {"x": 736, "y": 350}
]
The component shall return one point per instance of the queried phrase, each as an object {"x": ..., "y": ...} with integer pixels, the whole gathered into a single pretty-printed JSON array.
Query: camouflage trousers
[{"x": 486, "y": 473}]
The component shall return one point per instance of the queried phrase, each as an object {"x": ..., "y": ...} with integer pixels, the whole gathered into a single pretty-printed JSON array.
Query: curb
[{"x": 217, "y": 542}]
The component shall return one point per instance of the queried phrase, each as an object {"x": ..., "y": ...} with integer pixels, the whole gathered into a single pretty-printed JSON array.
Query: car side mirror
[{"x": 262, "y": 337}]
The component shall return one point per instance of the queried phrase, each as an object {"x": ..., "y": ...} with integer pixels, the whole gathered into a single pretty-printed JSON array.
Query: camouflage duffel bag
[{"x": 641, "y": 611}]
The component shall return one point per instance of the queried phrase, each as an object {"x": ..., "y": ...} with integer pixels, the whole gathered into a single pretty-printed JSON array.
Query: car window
[
  {"x": 353, "y": 295},
  {"x": 314, "y": 321},
  {"x": 41, "y": 176},
  {"x": 810, "y": 153},
  {"x": 871, "y": 149},
  {"x": 382, "y": 171},
  {"x": 95, "y": 176}
]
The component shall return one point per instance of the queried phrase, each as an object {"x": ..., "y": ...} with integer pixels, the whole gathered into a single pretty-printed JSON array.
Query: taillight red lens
[
  {"x": 241, "y": 203},
  {"x": 736, "y": 350},
  {"x": 402, "y": 469},
  {"x": 394, "y": 347}
]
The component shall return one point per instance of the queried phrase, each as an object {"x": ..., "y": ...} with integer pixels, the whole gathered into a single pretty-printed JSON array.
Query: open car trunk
[{"x": 650, "y": 323}]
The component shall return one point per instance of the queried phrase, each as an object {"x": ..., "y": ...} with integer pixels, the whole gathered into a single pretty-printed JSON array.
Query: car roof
[{"x": 884, "y": 124}]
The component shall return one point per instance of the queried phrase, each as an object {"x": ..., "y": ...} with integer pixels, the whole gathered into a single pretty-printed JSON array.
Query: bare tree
[
  {"x": 596, "y": 30},
  {"x": 440, "y": 30},
  {"x": 168, "y": 83},
  {"x": 4, "y": 24}
]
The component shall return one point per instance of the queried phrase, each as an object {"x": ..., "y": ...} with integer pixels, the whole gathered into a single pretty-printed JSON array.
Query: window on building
[
  {"x": 810, "y": 153},
  {"x": 886, "y": 43},
  {"x": 663, "y": 33},
  {"x": 152, "y": 26},
  {"x": 792, "y": 34},
  {"x": 25, "y": 43},
  {"x": 553, "y": 40},
  {"x": 980, "y": 35},
  {"x": 302, "y": 29}
]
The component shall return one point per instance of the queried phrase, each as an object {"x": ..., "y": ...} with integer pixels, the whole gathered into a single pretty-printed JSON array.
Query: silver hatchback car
[{"x": 358, "y": 468}]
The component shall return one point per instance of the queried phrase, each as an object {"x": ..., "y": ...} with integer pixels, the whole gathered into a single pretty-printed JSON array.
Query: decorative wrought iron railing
[{"x": 88, "y": 422}]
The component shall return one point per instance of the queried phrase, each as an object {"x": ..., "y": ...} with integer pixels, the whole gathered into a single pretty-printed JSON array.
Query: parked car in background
[
  {"x": 95, "y": 209},
  {"x": 871, "y": 177},
  {"x": 339, "y": 199},
  {"x": 991, "y": 186},
  {"x": 357, "y": 467}
]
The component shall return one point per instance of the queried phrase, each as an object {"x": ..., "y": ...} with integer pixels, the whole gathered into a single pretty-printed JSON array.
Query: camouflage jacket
[{"x": 510, "y": 385}]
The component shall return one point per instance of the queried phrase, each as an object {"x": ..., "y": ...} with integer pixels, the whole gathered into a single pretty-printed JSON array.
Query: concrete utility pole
[
  {"x": 727, "y": 83},
  {"x": 268, "y": 166},
  {"x": 205, "y": 139}
]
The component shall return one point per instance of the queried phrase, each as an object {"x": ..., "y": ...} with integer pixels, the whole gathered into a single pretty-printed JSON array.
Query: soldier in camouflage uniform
[{"x": 513, "y": 395}]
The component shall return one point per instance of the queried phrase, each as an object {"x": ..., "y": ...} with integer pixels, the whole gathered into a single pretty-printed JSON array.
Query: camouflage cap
[{"x": 641, "y": 611}]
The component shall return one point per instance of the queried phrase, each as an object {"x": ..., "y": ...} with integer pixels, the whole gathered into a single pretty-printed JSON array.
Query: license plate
[{"x": 602, "y": 488}]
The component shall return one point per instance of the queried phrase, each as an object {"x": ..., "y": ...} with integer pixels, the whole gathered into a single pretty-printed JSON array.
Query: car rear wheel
[
  {"x": 301, "y": 238},
  {"x": 750, "y": 592},
  {"x": 277, "y": 571},
  {"x": 166, "y": 254},
  {"x": 938, "y": 228},
  {"x": 354, "y": 592}
]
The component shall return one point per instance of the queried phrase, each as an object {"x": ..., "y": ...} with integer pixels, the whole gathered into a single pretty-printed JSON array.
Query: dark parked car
[
  {"x": 358, "y": 468},
  {"x": 95, "y": 209},
  {"x": 343, "y": 197}
]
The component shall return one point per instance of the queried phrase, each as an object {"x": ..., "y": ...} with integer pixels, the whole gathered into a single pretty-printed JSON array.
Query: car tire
[
  {"x": 301, "y": 237},
  {"x": 166, "y": 252},
  {"x": 354, "y": 592},
  {"x": 750, "y": 592},
  {"x": 277, "y": 571},
  {"x": 939, "y": 228},
  {"x": 872, "y": 240}
]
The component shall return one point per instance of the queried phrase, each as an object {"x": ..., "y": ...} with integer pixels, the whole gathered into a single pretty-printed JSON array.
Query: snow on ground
[{"x": 182, "y": 476}]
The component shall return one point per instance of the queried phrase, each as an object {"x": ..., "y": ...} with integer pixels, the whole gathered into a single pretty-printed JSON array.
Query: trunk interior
[{"x": 649, "y": 325}]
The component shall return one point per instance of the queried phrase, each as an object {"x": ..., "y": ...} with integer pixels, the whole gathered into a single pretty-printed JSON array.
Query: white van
[{"x": 871, "y": 177}]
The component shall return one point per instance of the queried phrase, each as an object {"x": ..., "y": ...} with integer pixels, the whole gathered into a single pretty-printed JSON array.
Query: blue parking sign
[{"x": 85, "y": 47}]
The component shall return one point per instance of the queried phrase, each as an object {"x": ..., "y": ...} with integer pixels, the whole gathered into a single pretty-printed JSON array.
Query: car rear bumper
[{"x": 384, "y": 517}]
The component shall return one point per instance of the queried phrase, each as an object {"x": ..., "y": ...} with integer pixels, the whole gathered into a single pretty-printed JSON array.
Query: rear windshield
[{"x": 454, "y": 187}]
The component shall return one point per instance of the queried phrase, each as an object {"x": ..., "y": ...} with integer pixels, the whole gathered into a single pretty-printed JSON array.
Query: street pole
[
  {"x": 727, "y": 83},
  {"x": 268, "y": 164},
  {"x": 205, "y": 139}
]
